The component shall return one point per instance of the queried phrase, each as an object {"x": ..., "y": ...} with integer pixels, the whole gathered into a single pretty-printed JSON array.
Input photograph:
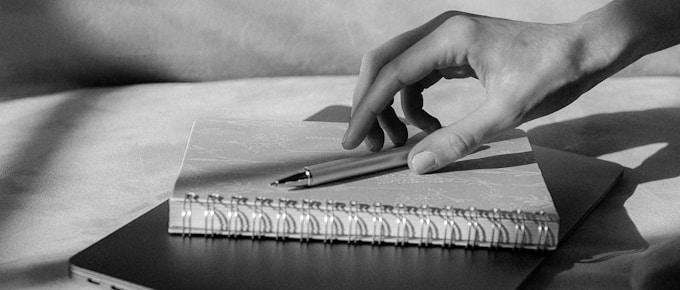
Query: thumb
[{"x": 453, "y": 142}]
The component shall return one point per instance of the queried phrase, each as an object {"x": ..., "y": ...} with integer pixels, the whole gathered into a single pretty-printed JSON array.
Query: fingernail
[{"x": 424, "y": 162}]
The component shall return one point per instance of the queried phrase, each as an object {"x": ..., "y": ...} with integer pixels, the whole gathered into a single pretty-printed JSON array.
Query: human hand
[{"x": 528, "y": 70}]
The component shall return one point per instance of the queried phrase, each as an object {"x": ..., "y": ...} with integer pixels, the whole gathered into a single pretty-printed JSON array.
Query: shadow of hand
[{"x": 609, "y": 231}]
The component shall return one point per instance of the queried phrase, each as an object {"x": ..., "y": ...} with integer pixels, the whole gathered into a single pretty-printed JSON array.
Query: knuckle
[
  {"x": 391, "y": 71},
  {"x": 455, "y": 35},
  {"x": 448, "y": 14},
  {"x": 368, "y": 110},
  {"x": 458, "y": 145},
  {"x": 462, "y": 25},
  {"x": 369, "y": 61}
]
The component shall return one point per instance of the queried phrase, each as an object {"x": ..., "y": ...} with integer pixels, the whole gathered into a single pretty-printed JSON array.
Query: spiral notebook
[
  {"x": 141, "y": 254},
  {"x": 495, "y": 197}
]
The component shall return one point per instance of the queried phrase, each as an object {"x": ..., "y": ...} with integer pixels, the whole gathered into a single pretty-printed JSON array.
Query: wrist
[
  {"x": 608, "y": 40},
  {"x": 621, "y": 32}
]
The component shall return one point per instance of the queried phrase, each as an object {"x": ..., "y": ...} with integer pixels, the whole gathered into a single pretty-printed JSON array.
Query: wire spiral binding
[
  {"x": 228, "y": 218},
  {"x": 260, "y": 218},
  {"x": 353, "y": 222},
  {"x": 449, "y": 227},
  {"x": 187, "y": 211},
  {"x": 403, "y": 232},
  {"x": 210, "y": 214},
  {"x": 425, "y": 226},
  {"x": 236, "y": 221},
  {"x": 329, "y": 222},
  {"x": 378, "y": 224},
  {"x": 473, "y": 227},
  {"x": 266, "y": 221},
  {"x": 543, "y": 231},
  {"x": 520, "y": 229},
  {"x": 496, "y": 230},
  {"x": 470, "y": 227},
  {"x": 452, "y": 231},
  {"x": 282, "y": 218},
  {"x": 306, "y": 222}
]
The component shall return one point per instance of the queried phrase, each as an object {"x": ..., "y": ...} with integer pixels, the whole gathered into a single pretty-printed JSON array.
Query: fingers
[
  {"x": 412, "y": 65},
  {"x": 375, "y": 138},
  {"x": 371, "y": 66},
  {"x": 395, "y": 129},
  {"x": 451, "y": 143},
  {"x": 372, "y": 62},
  {"x": 412, "y": 104}
]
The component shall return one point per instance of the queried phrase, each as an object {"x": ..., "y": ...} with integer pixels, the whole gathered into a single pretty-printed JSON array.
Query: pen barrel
[{"x": 357, "y": 166}]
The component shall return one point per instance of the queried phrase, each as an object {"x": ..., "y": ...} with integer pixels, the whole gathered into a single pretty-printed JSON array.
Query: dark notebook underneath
[{"x": 143, "y": 254}]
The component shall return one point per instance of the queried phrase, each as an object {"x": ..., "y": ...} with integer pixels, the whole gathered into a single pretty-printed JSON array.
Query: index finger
[
  {"x": 376, "y": 59},
  {"x": 434, "y": 51},
  {"x": 371, "y": 64}
]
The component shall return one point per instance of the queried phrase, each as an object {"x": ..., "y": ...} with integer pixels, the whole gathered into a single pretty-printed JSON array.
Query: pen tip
[{"x": 275, "y": 183}]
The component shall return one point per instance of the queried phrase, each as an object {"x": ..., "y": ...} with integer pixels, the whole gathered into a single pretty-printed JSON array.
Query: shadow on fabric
[{"x": 609, "y": 231}]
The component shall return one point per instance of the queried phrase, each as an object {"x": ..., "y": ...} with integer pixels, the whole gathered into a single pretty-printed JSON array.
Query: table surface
[{"x": 77, "y": 165}]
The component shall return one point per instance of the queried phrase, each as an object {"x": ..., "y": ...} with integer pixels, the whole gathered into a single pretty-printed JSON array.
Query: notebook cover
[
  {"x": 241, "y": 157},
  {"x": 142, "y": 254}
]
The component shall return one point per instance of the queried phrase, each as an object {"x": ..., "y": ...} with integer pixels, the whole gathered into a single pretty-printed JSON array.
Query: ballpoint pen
[{"x": 345, "y": 168}]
